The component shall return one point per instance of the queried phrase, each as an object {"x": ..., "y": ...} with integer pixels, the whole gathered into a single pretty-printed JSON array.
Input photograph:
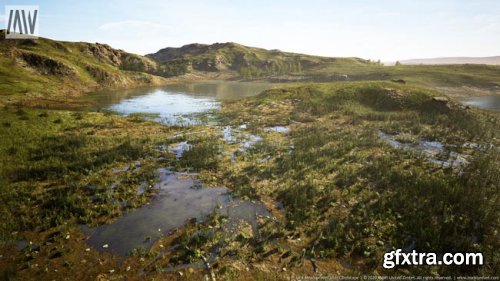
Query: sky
[{"x": 388, "y": 30}]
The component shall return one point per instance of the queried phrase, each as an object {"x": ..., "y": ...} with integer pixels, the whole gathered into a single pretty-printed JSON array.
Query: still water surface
[
  {"x": 176, "y": 104},
  {"x": 486, "y": 102}
]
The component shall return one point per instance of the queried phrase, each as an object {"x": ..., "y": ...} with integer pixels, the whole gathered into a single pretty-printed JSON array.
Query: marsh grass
[
  {"x": 57, "y": 166},
  {"x": 356, "y": 196}
]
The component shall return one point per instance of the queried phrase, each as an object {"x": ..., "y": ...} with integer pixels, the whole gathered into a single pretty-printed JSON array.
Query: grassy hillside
[
  {"x": 40, "y": 71},
  {"x": 248, "y": 62},
  {"x": 243, "y": 62}
]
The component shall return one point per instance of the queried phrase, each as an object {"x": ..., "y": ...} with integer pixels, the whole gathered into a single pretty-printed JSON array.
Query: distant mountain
[
  {"x": 455, "y": 60},
  {"x": 243, "y": 60}
]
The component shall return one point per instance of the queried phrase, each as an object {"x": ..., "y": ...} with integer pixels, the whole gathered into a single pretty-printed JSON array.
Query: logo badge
[{"x": 22, "y": 21}]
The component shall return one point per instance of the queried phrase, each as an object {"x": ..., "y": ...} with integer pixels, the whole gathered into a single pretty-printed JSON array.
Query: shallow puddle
[
  {"x": 433, "y": 151},
  {"x": 244, "y": 139},
  {"x": 181, "y": 197},
  {"x": 179, "y": 148},
  {"x": 278, "y": 129}
]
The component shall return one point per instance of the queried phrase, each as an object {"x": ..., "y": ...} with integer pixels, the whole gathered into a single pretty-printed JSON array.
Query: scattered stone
[{"x": 105, "y": 246}]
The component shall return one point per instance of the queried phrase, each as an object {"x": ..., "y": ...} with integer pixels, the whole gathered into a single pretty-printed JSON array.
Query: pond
[
  {"x": 176, "y": 104},
  {"x": 181, "y": 197},
  {"x": 491, "y": 102}
]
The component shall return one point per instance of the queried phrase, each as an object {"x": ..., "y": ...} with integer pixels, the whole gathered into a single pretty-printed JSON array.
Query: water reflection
[
  {"x": 180, "y": 198},
  {"x": 176, "y": 104}
]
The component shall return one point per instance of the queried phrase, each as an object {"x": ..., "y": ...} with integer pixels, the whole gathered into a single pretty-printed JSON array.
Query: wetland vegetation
[{"x": 272, "y": 181}]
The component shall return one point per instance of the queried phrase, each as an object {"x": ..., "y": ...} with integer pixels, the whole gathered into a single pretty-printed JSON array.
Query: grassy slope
[{"x": 39, "y": 70}]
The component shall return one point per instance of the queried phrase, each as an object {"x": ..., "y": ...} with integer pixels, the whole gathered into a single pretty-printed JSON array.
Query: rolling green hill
[
  {"x": 248, "y": 62},
  {"x": 36, "y": 71}
]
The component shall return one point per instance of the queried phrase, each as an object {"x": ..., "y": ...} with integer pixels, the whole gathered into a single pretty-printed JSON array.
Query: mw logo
[{"x": 22, "y": 22}]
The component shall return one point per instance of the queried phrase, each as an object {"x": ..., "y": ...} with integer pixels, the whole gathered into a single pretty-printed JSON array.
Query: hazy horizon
[{"x": 388, "y": 30}]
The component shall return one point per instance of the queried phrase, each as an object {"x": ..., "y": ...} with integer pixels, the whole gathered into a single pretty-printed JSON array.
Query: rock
[
  {"x": 440, "y": 99},
  {"x": 105, "y": 246},
  {"x": 46, "y": 65}
]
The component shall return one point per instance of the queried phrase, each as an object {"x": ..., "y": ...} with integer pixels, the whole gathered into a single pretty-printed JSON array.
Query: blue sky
[{"x": 376, "y": 29}]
